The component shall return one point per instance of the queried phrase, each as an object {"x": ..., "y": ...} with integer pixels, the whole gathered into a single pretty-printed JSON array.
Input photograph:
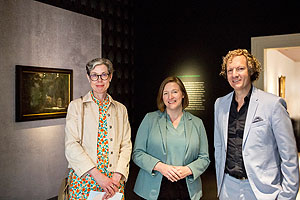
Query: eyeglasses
[{"x": 104, "y": 76}]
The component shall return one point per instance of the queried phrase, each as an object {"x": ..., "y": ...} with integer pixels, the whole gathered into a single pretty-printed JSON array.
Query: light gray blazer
[
  {"x": 269, "y": 148},
  {"x": 150, "y": 148}
]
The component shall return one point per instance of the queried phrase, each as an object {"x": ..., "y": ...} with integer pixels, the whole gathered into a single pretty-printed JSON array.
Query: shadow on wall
[{"x": 296, "y": 127}]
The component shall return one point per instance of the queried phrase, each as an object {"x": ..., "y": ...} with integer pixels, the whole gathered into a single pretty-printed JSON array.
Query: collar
[
  {"x": 247, "y": 97},
  {"x": 186, "y": 115},
  {"x": 88, "y": 98}
]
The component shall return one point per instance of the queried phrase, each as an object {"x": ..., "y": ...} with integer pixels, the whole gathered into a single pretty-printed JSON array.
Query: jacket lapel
[
  {"x": 225, "y": 117},
  {"x": 188, "y": 129},
  {"x": 162, "y": 121},
  {"x": 250, "y": 113}
]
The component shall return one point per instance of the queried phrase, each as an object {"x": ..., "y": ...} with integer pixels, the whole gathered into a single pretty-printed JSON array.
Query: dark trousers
[{"x": 173, "y": 190}]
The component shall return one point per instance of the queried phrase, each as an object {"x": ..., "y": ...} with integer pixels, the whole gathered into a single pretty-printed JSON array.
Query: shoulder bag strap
[
  {"x": 82, "y": 121},
  {"x": 80, "y": 142}
]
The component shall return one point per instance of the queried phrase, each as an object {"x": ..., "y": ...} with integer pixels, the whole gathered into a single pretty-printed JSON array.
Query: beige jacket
[{"x": 83, "y": 158}]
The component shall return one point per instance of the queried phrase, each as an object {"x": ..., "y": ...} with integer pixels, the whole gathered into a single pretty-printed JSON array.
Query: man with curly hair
[{"x": 255, "y": 149}]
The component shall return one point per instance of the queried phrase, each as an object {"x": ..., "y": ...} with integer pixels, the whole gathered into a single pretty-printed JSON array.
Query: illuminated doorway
[{"x": 280, "y": 59}]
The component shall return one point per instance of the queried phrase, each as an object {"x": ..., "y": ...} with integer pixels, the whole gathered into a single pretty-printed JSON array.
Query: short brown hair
[
  {"x": 160, "y": 103},
  {"x": 253, "y": 64}
]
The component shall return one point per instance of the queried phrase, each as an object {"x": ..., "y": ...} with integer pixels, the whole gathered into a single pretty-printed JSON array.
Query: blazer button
[
  {"x": 111, "y": 152},
  {"x": 108, "y": 115},
  {"x": 110, "y": 165},
  {"x": 110, "y": 127},
  {"x": 111, "y": 139}
]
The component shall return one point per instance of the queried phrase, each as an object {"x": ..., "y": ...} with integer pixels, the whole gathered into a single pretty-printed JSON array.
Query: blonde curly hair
[{"x": 253, "y": 65}]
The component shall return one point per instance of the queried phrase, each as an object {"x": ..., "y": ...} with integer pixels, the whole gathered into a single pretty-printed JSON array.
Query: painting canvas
[{"x": 42, "y": 93}]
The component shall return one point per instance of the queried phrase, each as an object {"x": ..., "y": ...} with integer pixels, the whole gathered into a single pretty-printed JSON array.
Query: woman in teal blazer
[{"x": 171, "y": 148}]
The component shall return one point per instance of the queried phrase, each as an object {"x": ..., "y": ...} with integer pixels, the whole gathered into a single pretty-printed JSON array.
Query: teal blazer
[{"x": 150, "y": 148}]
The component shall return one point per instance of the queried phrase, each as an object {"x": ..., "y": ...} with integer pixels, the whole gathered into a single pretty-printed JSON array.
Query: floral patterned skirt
[{"x": 80, "y": 187}]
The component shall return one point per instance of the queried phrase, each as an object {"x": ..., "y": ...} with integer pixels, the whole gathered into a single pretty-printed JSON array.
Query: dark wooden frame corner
[{"x": 42, "y": 93}]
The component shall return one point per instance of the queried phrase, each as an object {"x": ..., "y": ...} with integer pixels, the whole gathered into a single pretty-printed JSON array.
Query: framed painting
[
  {"x": 281, "y": 83},
  {"x": 42, "y": 93}
]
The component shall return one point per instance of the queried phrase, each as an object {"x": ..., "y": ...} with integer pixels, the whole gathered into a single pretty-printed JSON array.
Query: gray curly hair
[{"x": 99, "y": 61}]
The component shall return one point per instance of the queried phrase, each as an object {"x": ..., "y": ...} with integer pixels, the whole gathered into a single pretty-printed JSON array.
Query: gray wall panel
[{"x": 32, "y": 161}]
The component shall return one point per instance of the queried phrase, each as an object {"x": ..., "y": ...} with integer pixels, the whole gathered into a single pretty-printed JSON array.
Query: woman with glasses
[
  {"x": 100, "y": 160},
  {"x": 170, "y": 148}
]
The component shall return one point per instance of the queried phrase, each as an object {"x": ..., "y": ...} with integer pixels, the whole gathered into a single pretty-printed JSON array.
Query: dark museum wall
[
  {"x": 147, "y": 40},
  {"x": 171, "y": 36}
]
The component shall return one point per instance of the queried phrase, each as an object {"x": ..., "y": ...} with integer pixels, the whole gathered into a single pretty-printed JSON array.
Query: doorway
[{"x": 280, "y": 59}]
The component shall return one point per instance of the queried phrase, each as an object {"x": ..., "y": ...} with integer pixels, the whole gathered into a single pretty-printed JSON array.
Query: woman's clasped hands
[
  {"x": 109, "y": 185},
  {"x": 173, "y": 173}
]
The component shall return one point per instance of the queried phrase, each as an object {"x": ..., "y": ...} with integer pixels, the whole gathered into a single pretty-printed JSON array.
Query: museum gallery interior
[{"x": 146, "y": 42}]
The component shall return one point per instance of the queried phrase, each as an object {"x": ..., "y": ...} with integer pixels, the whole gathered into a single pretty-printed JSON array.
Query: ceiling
[{"x": 292, "y": 53}]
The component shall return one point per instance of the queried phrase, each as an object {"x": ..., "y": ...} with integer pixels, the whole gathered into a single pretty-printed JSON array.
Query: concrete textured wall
[{"x": 32, "y": 161}]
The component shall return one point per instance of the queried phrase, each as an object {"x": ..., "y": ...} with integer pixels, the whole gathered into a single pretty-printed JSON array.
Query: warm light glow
[
  {"x": 281, "y": 84},
  {"x": 282, "y": 79}
]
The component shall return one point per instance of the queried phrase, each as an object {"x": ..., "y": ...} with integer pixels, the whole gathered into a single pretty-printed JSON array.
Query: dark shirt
[{"x": 234, "y": 158}]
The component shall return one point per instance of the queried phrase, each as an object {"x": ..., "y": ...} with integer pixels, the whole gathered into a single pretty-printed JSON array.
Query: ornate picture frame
[
  {"x": 281, "y": 88},
  {"x": 42, "y": 93}
]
